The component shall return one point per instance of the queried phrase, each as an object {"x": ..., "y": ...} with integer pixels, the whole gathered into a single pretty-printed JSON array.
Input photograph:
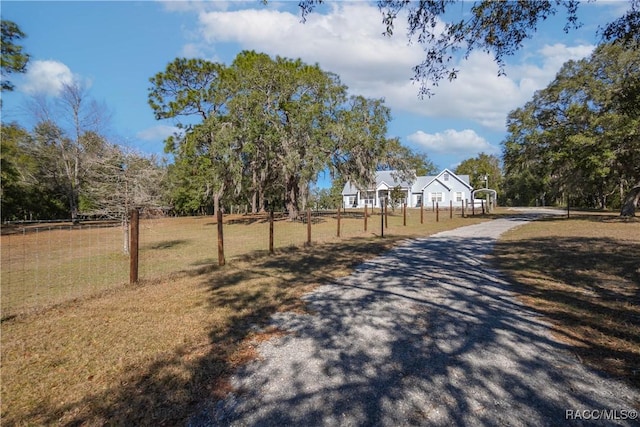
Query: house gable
[
  {"x": 452, "y": 176},
  {"x": 383, "y": 186},
  {"x": 436, "y": 181}
]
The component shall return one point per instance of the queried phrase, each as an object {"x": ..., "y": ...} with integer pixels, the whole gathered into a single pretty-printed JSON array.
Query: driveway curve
[{"x": 426, "y": 334}]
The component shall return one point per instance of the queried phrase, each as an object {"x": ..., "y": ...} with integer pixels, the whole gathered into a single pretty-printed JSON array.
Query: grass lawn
[
  {"x": 45, "y": 266},
  {"x": 148, "y": 354},
  {"x": 583, "y": 274}
]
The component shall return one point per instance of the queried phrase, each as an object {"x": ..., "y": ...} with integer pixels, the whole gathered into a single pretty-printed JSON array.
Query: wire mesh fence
[{"x": 43, "y": 265}]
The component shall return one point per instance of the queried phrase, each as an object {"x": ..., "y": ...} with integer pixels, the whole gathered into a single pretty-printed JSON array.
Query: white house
[{"x": 442, "y": 188}]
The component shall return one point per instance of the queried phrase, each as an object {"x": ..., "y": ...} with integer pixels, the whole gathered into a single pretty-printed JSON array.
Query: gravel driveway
[{"x": 426, "y": 334}]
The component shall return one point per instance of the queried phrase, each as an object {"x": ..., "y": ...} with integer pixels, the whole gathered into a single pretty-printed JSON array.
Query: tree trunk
[
  {"x": 291, "y": 196},
  {"x": 73, "y": 205},
  {"x": 254, "y": 194},
  {"x": 630, "y": 202},
  {"x": 216, "y": 203},
  {"x": 125, "y": 234},
  {"x": 254, "y": 202},
  {"x": 261, "y": 201}
]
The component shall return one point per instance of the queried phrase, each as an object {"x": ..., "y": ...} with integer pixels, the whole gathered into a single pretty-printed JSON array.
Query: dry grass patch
[
  {"x": 150, "y": 354},
  {"x": 41, "y": 266},
  {"x": 583, "y": 274}
]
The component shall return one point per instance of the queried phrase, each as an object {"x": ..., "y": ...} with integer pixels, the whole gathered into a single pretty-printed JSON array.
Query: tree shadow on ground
[
  {"x": 591, "y": 216},
  {"x": 176, "y": 382},
  {"x": 165, "y": 244},
  {"x": 411, "y": 338},
  {"x": 427, "y": 335},
  {"x": 590, "y": 290}
]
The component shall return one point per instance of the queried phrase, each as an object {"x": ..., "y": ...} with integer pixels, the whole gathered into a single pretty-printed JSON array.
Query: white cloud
[
  {"x": 157, "y": 133},
  {"x": 552, "y": 57},
  {"x": 353, "y": 48},
  {"x": 377, "y": 66},
  {"x": 191, "y": 50},
  {"x": 453, "y": 142},
  {"x": 478, "y": 94},
  {"x": 46, "y": 78}
]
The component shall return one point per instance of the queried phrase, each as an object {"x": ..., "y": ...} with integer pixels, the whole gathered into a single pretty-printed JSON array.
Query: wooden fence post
[
  {"x": 365, "y": 218},
  {"x": 271, "y": 231},
  {"x": 134, "y": 234},
  {"x": 421, "y": 213},
  {"x": 386, "y": 214},
  {"x": 221, "y": 260},
  {"x": 381, "y": 223},
  {"x": 404, "y": 214},
  {"x": 450, "y": 209},
  {"x": 437, "y": 212},
  {"x": 338, "y": 230},
  {"x": 308, "y": 226},
  {"x": 462, "y": 208},
  {"x": 482, "y": 204},
  {"x": 473, "y": 207}
]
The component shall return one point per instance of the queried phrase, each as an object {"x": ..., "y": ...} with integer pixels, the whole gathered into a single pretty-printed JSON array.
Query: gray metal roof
[{"x": 388, "y": 178}]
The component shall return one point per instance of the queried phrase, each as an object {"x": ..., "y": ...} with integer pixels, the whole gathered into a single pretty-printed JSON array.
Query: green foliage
[
  {"x": 187, "y": 191},
  {"x": 482, "y": 166},
  {"x": 575, "y": 138},
  {"x": 397, "y": 196},
  {"x": 13, "y": 59},
  {"x": 401, "y": 158},
  {"x": 625, "y": 29},
  {"x": 268, "y": 127},
  {"x": 46, "y": 174},
  {"x": 27, "y": 193},
  {"x": 326, "y": 198},
  {"x": 10, "y": 188}
]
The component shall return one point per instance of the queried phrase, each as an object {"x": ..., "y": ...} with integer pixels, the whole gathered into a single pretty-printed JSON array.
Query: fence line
[{"x": 47, "y": 265}]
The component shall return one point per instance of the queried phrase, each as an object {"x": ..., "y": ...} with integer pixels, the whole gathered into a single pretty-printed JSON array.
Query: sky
[{"x": 114, "y": 47}]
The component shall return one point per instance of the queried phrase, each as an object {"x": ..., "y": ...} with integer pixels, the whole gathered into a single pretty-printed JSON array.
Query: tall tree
[
  {"x": 13, "y": 58},
  {"x": 574, "y": 136},
  {"x": 188, "y": 88},
  {"x": 271, "y": 126},
  {"x": 118, "y": 180},
  {"x": 64, "y": 135},
  {"x": 24, "y": 193}
]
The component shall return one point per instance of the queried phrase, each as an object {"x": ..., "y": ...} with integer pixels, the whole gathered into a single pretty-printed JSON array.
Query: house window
[
  {"x": 418, "y": 200},
  {"x": 459, "y": 196},
  {"x": 368, "y": 197},
  {"x": 436, "y": 197},
  {"x": 352, "y": 201},
  {"x": 446, "y": 176}
]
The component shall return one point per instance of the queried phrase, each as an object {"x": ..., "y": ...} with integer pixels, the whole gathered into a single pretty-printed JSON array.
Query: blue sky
[{"x": 115, "y": 47}]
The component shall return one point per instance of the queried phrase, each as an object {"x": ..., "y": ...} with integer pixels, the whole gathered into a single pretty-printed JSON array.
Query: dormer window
[{"x": 446, "y": 176}]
